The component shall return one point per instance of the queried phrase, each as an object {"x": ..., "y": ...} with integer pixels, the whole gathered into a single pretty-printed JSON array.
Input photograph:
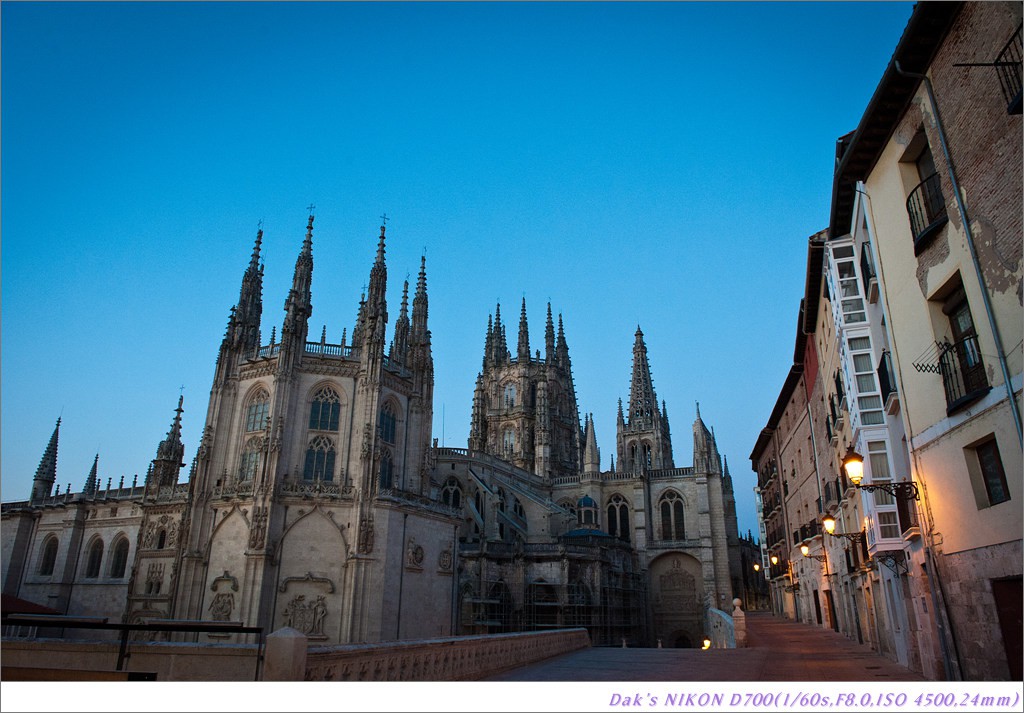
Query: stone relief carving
[
  {"x": 366, "y": 536},
  {"x": 222, "y": 606},
  {"x": 444, "y": 560},
  {"x": 258, "y": 529},
  {"x": 414, "y": 555},
  {"x": 307, "y": 616}
]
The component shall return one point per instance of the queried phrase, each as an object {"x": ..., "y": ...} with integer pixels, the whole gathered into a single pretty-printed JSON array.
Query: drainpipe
[{"x": 1000, "y": 353}]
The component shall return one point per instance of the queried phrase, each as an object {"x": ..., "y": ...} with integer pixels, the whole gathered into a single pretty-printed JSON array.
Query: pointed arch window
[
  {"x": 387, "y": 423},
  {"x": 161, "y": 539},
  {"x": 94, "y": 559},
  {"x": 647, "y": 454},
  {"x": 249, "y": 463},
  {"x": 325, "y": 409},
  {"x": 257, "y": 411},
  {"x": 509, "y": 442},
  {"x": 319, "y": 459},
  {"x": 119, "y": 558},
  {"x": 510, "y": 395},
  {"x": 48, "y": 560},
  {"x": 672, "y": 526},
  {"x": 451, "y": 495},
  {"x": 618, "y": 517},
  {"x": 386, "y": 470}
]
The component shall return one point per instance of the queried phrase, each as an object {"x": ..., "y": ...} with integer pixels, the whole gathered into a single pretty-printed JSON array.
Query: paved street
[{"x": 778, "y": 650}]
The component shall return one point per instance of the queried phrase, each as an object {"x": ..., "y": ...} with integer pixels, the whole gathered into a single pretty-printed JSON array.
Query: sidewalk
[{"x": 778, "y": 650}]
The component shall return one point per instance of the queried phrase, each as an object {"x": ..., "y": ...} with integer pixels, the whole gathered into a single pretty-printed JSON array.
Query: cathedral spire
[
  {"x": 298, "y": 306},
  {"x": 643, "y": 404},
  {"x": 169, "y": 453},
  {"x": 420, "y": 331},
  {"x": 399, "y": 351},
  {"x": 549, "y": 337},
  {"x": 561, "y": 347},
  {"x": 591, "y": 454},
  {"x": 376, "y": 300},
  {"x": 523, "y": 347},
  {"x": 92, "y": 484},
  {"x": 46, "y": 473}
]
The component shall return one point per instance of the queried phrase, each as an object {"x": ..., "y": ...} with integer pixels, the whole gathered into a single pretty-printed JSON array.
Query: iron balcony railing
[
  {"x": 963, "y": 373},
  {"x": 926, "y": 207},
  {"x": 867, "y": 269},
  {"x": 886, "y": 377},
  {"x": 1008, "y": 65}
]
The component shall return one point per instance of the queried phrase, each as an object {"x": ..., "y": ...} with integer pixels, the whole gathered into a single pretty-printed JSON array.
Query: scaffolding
[{"x": 601, "y": 593}]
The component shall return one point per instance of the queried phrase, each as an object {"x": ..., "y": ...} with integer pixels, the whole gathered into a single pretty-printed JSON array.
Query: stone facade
[{"x": 316, "y": 500}]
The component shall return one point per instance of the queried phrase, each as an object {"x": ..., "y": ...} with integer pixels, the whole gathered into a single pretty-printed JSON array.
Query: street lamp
[
  {"x": 757, "y": 567},
  {"x": 853, "y": 464},
  {"x": 829, "y": 523},
  {"x": 775, "y": 559},
  {"x": 806, "y": 552}
]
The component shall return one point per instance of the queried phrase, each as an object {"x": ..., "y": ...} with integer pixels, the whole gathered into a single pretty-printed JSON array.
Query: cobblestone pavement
[{"x": 778, "y": 650}]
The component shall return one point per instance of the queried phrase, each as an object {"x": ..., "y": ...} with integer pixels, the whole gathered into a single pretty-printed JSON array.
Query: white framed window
[
  {"x": 850, "y": 298},
  {"x": 869, "y": 399},
  {"x": 878, "y": 457}
]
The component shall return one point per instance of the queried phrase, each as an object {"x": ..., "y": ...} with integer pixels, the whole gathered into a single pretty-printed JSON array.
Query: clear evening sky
[{"x": 660, "y": 164}]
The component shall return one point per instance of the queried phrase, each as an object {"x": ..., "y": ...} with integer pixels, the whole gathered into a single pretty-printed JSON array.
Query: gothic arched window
[
  {"x": 161, "y": 539},
  {"x": 386, "y": 470},
  {"x": 249, "y": 463},
  {"x": 510, "y": 395},
  {"x": 257, "y": 410},
  {"x": 324, "y": 411},
  {"x": 49, "y": 557},
  {"x": 672, "y": 527},
  {"x": 618, "y": 517},
  {"x": 119, "y": 558},
  {"x": 451, "y": 495},
  {"x": 509, "y": 442},
  {"x": 319, "y": 459},
  {"x": 387, "y": 423},
  {"x": 94, "y": 559},
  {"x": 647, "y": 454}
]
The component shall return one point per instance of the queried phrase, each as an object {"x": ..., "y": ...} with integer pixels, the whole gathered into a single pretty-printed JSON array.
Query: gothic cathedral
[{"x": 317, "y": 500}]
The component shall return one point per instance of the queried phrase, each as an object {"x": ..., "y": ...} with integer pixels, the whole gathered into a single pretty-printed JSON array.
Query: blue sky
[{"x": 660, "y": 164}]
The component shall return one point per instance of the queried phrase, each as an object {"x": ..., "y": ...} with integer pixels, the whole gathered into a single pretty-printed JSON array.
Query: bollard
[
  {"x": 739, "y": 619},
  {"x": 285, "y": 657}
]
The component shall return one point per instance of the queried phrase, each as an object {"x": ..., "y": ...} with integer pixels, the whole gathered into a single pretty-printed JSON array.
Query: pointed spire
[
  {"x": 643, "y": 404},
  {"x": 46, "y": 473},
  {"x": 561, "y": 346},
  {"x": 298, "y": 305},
  {"x": 399, "y": 350},
  {"x": 591, "y": 454},
  {"x": 489, "y": 341},
  {"x": 92, "y": 484},
  {"x": 549, "y": 337},
  {"x": 169, "y": 453},
  {"x": 244, "y": 321},
  {"x": 523, "y": 347}
]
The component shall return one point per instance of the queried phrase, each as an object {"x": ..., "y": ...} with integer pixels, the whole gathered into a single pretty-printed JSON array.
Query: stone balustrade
[{"x": 459, "y": 658}]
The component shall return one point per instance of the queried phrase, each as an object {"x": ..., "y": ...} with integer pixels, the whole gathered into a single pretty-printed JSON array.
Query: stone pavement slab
[{"x": 778, "y": 650}]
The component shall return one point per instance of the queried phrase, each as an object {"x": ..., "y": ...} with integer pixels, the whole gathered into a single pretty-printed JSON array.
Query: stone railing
[
  {"x": 459, "y": 658},
  {"x": 725, "y": 631}
]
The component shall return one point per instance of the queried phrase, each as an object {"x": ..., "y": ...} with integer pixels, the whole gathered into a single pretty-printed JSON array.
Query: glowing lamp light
[
  {"x": 775, "y": 559},
  {"x": 853, "y": 464},
  {"x": 805, "y": 550},
  {"x": 707, "y": 644},
  {"x": 757, "y": 567},
  {"x": 829, "y": 523}
]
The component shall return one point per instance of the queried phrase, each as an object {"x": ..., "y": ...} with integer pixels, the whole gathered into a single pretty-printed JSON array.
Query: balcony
[
  {"x": 963, "y": 373},
  {"x": 1008, "y": 65},
  {"x": 867, "y": 274},
  {"x": 906, "y": 511},
  {"x": 887, "y": 384},
  {"x": 926, "y": 207}
]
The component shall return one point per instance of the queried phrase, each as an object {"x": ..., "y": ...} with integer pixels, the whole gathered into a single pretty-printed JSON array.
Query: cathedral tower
[
  {"x": 524, "y": 407},
  {"x": 643, "y": 440}
]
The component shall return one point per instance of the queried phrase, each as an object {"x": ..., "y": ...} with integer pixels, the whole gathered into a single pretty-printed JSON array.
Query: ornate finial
[
  {"x": 323, "y": 335},
  {"x": 311, "y": 208}
]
